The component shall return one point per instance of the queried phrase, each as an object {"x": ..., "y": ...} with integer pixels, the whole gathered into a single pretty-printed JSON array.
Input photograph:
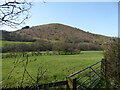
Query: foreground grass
[{"x": 57, "y": 67}]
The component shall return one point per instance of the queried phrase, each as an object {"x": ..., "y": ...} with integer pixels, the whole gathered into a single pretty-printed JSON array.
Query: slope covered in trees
[{"x": 58, "y": 34}]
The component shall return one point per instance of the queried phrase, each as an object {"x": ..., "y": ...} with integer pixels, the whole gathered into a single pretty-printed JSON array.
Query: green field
[
  {"x": 12, "y": 42},
  {"x": 57, "y": 67}
]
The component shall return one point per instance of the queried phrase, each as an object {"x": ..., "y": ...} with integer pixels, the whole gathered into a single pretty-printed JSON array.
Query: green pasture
[
  {"x": 12, "y": 42},
  {"x": 53, "y": 41},
  {"x": 56, "y": 67}
]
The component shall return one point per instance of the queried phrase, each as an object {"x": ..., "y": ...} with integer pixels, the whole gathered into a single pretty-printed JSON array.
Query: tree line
[{"x": 42, "y": 45}]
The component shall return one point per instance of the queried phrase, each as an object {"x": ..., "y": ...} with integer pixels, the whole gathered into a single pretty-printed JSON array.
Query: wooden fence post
[
  {"x": 74, "y": 84},
  {"x": 71, "y": 84},
  {"x": 103, "y": 68}
]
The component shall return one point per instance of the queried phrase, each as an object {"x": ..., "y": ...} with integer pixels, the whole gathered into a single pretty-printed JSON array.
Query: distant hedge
[{"x": 42, "y": 45}]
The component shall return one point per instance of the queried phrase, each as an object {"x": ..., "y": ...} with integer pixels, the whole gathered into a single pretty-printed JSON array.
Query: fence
[
  {"x": 86, "y": 78},
  {"x": 48, "y": 86}
]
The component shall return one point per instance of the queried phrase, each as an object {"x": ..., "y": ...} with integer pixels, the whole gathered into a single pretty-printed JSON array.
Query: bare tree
[{"x": 14, "y": 13}]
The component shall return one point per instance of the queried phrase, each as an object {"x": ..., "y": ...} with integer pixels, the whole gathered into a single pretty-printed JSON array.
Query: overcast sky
[{"x": 94, "y": 17}]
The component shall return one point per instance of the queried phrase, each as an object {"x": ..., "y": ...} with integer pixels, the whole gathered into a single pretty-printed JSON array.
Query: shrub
[{"x": 112, "y": 57}]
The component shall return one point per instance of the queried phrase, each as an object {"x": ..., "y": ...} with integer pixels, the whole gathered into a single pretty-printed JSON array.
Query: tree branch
[{"x": 14, "y": 13}]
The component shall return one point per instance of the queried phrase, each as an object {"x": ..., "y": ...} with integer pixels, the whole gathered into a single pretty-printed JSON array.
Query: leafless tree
[{"x": 14, "y": 13}]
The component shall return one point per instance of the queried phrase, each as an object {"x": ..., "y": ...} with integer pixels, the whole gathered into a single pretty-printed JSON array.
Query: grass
[
  {"x": 53, "y": 41},
  {"x": 12, "y": 42},
  {"x": 58, "y": 66}
]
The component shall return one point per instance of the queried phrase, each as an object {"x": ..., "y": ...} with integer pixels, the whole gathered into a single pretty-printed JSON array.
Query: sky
[{"x": 94, "y": 17}]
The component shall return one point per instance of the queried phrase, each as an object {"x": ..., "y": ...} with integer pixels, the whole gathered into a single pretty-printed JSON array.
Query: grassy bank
[{"x": 12, "y": 42}]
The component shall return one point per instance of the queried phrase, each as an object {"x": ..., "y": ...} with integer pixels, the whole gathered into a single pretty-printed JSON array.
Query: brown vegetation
[{"x": 49, "y": 35}]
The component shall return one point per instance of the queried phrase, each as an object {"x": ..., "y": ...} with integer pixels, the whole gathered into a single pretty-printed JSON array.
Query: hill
[{"x": 58, "y": 32}]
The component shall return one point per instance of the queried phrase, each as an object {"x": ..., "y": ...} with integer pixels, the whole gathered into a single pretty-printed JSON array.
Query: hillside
[
  {"x": 58, "y": 32},
  {"x": 55, "y": 32},
  {"x": 52, "y": 37}
]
